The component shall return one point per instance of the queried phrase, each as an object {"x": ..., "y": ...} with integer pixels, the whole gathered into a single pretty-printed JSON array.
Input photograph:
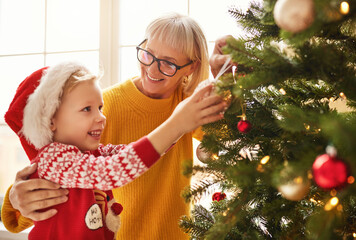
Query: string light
[
  {"x": 265, "y": 160},
  {"x": 333, "y": 193},
  {"x": 282, "y": 91},
  {"x": 354, "y": 235},
  {"x": 342, "y": 95},
  {"x": 339, "y": 208},
  {"x": 226, "y": 212},
  {"x": 350, "y": 180},
  {"x": 298, "y": 180},
  {"x": 331, "y": 203},
  {"x": 307, "y": 127},
  {"x": 344, "y": 8},
  {"x": 215, "y": 157},
  {"x": 260, "y": 168},
  {"x": 334, "y": 201},
  {"x": 313, "y": 200}
]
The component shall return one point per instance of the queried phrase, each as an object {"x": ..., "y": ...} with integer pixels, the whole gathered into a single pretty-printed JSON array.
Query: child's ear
[{"x": 53, "y": 124}]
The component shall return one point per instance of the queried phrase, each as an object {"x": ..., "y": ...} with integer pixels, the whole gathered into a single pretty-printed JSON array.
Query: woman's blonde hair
[{"x": 182, "y": 32}]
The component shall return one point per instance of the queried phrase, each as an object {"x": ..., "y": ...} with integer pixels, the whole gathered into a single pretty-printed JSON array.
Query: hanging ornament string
[
  {"x": 244, "y": 126},
  {"x": 234, "y": 72},
  {"x": 223, "y": 69},
  {"x": 206, "y": 82},
  {"x": 243, "y": 110}
]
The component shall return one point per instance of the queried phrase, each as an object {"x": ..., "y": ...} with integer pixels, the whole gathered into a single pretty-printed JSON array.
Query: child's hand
[{"x": 199, "y": 109}]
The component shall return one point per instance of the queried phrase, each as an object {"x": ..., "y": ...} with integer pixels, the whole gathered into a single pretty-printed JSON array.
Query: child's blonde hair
[
  {"x": 78, "y": 77},
  {"x": 182, "y": 32}
]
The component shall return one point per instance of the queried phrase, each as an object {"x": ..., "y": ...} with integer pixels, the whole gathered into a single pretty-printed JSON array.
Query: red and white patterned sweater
[{"x": 108, "y": 167}]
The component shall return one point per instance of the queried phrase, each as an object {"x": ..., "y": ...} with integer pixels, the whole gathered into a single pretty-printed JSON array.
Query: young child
[{"x": 57, "y": 113}]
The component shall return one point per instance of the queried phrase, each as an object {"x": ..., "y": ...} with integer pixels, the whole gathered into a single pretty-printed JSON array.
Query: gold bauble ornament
[
  {"x": 295, "y": 190},
  {"x": 203, "y": 155},
  {"x": 294, "y": 15}
]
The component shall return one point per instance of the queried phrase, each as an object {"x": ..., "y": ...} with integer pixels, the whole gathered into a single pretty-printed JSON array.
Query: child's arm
[
  {"x": 191, "y": 113},
  {"x": 68, "y": 166}
]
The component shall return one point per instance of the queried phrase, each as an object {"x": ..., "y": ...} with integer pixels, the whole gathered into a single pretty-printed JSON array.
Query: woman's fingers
[
  {"x": 202, "y": 93},
  {"x": 210, "y": 100},
  {"x": 40, "y": 216},
  {"x": 42, "y": 195},
  {"x": 31, "y": 195},
  {"x": 33, "y": 201},
  {"x": 26, "y": 172},
  {"x": 213, "y": 113}
]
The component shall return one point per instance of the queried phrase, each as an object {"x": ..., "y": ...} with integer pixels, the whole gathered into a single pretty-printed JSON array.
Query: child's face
[
  {"x": 154, "y": 83},
  {"x": 79, "y": 120}
]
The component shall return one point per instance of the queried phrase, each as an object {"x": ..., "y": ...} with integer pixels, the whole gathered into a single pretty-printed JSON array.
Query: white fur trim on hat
[{"x": 44, "y": 102}]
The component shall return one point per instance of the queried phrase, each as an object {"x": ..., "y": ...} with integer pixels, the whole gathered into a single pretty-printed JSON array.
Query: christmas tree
[{"x": 284, "y": 156}]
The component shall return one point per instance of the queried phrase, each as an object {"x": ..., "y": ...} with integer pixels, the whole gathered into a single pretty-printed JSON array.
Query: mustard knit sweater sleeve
[
  {"x": 152, "y": 203},
  {"x": 12, "y": 219}
]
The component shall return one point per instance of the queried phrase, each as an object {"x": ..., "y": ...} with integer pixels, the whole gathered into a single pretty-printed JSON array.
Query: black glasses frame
[{"x": 138, "y": 48}]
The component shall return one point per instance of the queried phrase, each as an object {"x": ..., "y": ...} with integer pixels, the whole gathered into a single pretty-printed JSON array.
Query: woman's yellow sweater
[{"x": 152, "y": 203}]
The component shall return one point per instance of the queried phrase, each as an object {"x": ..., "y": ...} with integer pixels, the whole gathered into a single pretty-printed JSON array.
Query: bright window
[{"x": 34, "y": 34}]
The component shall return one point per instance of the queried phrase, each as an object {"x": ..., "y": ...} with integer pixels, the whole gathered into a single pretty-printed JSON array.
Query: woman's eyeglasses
[{"x": 165, "y": 67}]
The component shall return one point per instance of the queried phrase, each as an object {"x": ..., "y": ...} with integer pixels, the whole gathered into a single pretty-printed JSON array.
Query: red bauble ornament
[
  {"x": 244, "y": 126},
  {"x": 218, "y": 196},
  {"x": 330, "y": 172}
]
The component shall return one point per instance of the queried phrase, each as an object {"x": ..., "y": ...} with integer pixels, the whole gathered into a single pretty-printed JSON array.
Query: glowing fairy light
[
  {"x": 342, "y": 95},
  {"x": 334, "y": 201},
  {"x": 265, "y": 160},
  {"x": 350, "y": 180},
  {"x": 260, "y": 168},
  {"x": 298, "y": 180},
  {"x": 331, "y": 203},
  {"x": 354, "y": 235},
  {"x": 339, "y": 208},
  {"x": 215, "y": 157},
  {"x": 344, "y": 8},
  {"x": 282, "y": 91},
  {"x": 313, "y": 200},
  {"x": 333, "y": 193}
]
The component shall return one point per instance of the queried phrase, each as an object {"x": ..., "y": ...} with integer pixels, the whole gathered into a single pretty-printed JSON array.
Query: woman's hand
[
  {"x": 217, "y": 58},
  {"x": 31, "y": 195}
]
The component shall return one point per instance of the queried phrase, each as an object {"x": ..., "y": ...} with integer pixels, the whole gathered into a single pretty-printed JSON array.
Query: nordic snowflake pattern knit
[{"x": 68, "y": 166}]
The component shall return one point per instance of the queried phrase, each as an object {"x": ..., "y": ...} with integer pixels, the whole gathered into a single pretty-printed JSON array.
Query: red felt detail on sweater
[{"x": 116, "y": 208}]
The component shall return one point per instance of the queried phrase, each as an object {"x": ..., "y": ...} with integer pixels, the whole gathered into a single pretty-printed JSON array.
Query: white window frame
[{"x": 109, "y": 37}]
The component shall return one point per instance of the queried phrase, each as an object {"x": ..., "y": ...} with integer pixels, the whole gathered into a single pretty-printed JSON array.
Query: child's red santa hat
[{"x": 36, "y": 100}]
